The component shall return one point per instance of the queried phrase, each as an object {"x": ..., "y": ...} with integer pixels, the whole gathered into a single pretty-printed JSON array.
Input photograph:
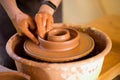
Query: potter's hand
[
  {"x": 23, "y": 24},
  {"x": 44, "y": 23}
]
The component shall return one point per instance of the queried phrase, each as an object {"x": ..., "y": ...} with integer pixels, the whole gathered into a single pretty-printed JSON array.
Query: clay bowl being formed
[
  {"x": 60, "y": 39},
  {"x": 60, "y": 45},
  {"x": 58, "y": 35},
  {"x": 85, "y": 68}
]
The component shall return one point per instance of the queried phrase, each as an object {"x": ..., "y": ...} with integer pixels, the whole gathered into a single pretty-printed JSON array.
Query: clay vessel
[
  {"x": 86, "y": 68},
  {"x": 8, "y": 74},
  {"x": 58, "y": 35},
  {"x": 67, "y": 48}
]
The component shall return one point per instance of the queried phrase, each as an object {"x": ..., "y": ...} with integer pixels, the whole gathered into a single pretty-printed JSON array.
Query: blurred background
[{"x": 86, "y": 11}]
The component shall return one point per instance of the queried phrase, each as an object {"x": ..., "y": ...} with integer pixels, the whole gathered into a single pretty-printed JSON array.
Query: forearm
[
  {"x": 48, "y": 9},
  {"x": 10, "y": 7}
]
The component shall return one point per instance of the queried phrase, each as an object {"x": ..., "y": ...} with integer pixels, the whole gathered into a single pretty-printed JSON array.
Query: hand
[
  {"x": 23, "y": 24},
  {"x": 44, "y": 23}
]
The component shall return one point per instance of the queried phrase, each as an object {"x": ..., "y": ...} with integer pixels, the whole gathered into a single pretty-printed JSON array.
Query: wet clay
[
  {"x": 62, "y": 40},
  {"x": 58, "y": 35},
  {"x": 61, "y": 44}
]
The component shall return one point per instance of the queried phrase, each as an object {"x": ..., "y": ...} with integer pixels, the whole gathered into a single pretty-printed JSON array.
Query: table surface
[{"x": 111, "y": 26}]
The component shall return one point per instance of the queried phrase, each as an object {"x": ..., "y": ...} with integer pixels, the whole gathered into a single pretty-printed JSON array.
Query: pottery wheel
[{"x": 85, "y": 46}]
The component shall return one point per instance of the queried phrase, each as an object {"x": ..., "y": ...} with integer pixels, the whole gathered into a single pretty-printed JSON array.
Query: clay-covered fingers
[
  {"x": 25, "y": 26},
  {"x": 30, "y": 35},
  {"x": 44, "y": 23},
  {"x": 40, "y": 25},
  {"x": 31, "y": 24},
  {"x": 49, "y": 23}
]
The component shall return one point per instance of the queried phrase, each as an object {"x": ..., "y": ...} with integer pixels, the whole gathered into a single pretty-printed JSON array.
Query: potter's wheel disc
[{"x": 85, "y": 46}]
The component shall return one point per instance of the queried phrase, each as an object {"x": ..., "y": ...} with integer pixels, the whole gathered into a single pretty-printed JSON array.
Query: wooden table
[{"x": 111, "y": 26}]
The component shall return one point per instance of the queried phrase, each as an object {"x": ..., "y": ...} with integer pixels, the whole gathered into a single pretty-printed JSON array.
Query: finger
[
  {"x": 20, "y": 34},
  {"x": 44, "y": 20},
  {"x": 40, "y": 28},
  {"x": 44, "y": 26},
  {"x": 30, "y": 36},
  {"x": 49, "y": 23},
  {"x": 31, "y": 23},
  {"x": 26, "y": 32}
]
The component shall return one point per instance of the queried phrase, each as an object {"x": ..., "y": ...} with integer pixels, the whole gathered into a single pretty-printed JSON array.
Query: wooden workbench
[{"x": 111, "y": 26}]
